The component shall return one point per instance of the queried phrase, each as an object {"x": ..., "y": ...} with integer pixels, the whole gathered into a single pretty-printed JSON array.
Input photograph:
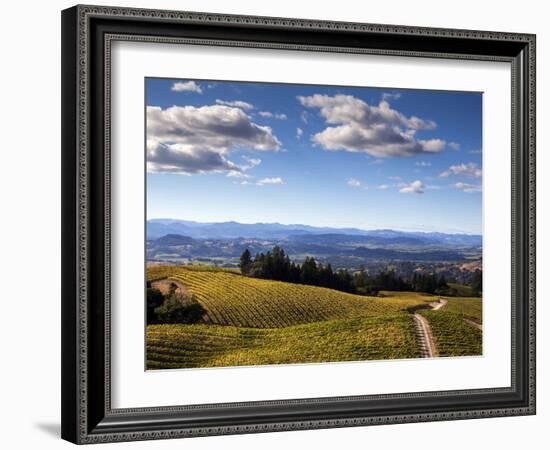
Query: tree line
[{"x": 276, "y": 265}]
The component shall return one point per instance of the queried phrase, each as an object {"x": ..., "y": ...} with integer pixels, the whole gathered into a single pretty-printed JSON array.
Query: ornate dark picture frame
[{"x": 87, "y": 34}]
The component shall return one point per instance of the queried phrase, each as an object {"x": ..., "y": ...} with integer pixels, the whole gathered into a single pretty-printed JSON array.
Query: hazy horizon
[{"x": 362, "y": 228}]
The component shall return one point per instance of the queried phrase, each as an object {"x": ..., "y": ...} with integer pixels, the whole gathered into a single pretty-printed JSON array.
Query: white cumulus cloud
[
  {"x": 352, "y": 182},
  {"x": 237, "y": 174},
  {"x": 379, "y": 131},
  {"x": 416, "y": 187},
  {"x": 469, "y": 170},
  {"x": 274, "y": 180},
  {"x": 467, "y": 187},
  {"x": 189, "y": 139},
  {"x": 186, "y": 86}
]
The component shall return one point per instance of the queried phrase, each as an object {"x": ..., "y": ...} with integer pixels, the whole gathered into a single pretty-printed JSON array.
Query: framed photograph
[{"x": 280, "y": 224}]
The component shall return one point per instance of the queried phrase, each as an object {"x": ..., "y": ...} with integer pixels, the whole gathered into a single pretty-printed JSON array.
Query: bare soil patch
[{"x": 165, "y": 284}]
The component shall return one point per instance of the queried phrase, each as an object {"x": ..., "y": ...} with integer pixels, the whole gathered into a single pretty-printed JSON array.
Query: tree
[
  {"x": 276, "y": 265},
  {"x": 154, "y": 300},
  {"x": 326, "y": 276},
  {"x": 442, "y": 283},
  {"x": 414, "y": 282},
  {"x": 179, "y": 308},
  {"x": 344, "y": 281},
  {"x": 245, "y": 262},
  {"x": 429, "y": 283},
  {"x": 363, "y": 283},
  {"x": 279, "y": 264},
  {"x": 309, "y": 273},
  {"x": 257, "y": 268},
  {"x": 294, "y": 273},
  {"x": 477, "y": 283}
]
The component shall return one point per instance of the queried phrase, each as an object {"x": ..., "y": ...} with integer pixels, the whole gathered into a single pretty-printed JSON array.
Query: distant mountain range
[{"x": 306, "y": 234}]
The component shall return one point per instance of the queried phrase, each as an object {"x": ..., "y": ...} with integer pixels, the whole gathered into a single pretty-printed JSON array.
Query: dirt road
[
  {"x": 428, "y": 349},
  {"x": 439, "y": 304},
  {"x": 425, "y": 338}
]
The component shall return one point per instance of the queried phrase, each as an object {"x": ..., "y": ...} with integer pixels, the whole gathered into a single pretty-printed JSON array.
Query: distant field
[
  {"x": 232, "y": 299},
  {"x": 179, "y": 346},
  {"x": 250, "y": 321},
  {"x": 453, "y": 336}
]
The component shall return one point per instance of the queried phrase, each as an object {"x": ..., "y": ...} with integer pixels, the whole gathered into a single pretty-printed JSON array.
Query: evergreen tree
[
  {"x": 245, "y": 262},
  {"x": 477, "y": 283},
  {"x": 294, "y": 273},
  {"x": 154, "y": 300},
  {"x": 309, "y": 273},
  {"x": 276, "y": 265},
  {"x": 414, "y": 282}
]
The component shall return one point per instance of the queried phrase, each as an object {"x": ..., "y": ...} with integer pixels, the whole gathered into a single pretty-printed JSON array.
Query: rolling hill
[
  {"x": 250, "y": 321},
  {"x": 232, "y": 299},
  {"x": 185, "y": 346}
]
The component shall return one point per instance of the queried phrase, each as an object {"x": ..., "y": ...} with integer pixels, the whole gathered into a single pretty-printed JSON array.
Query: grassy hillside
[
  {"x": 235, "y": 300},
  {"x": 179, "y": 346}
]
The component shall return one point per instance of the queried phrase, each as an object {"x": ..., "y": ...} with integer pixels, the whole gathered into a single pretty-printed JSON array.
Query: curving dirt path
[
  {"x": 425, "y": 337},
  {"x": 428, "y": 349},
  {"x": 441, "y": 303}
]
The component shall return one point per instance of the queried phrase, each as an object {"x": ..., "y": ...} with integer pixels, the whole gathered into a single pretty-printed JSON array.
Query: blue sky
[{"x": 317, "y": 155}]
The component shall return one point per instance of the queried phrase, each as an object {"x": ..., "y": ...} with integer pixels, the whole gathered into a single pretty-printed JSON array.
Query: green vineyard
[
  {"x": 178, "y": 346},
  {"x": 468, "y": 307},
  {"x": 453, "y": 336},
  {"x": 251, "y": 321},
  {"x": 231, "y": 299}
]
